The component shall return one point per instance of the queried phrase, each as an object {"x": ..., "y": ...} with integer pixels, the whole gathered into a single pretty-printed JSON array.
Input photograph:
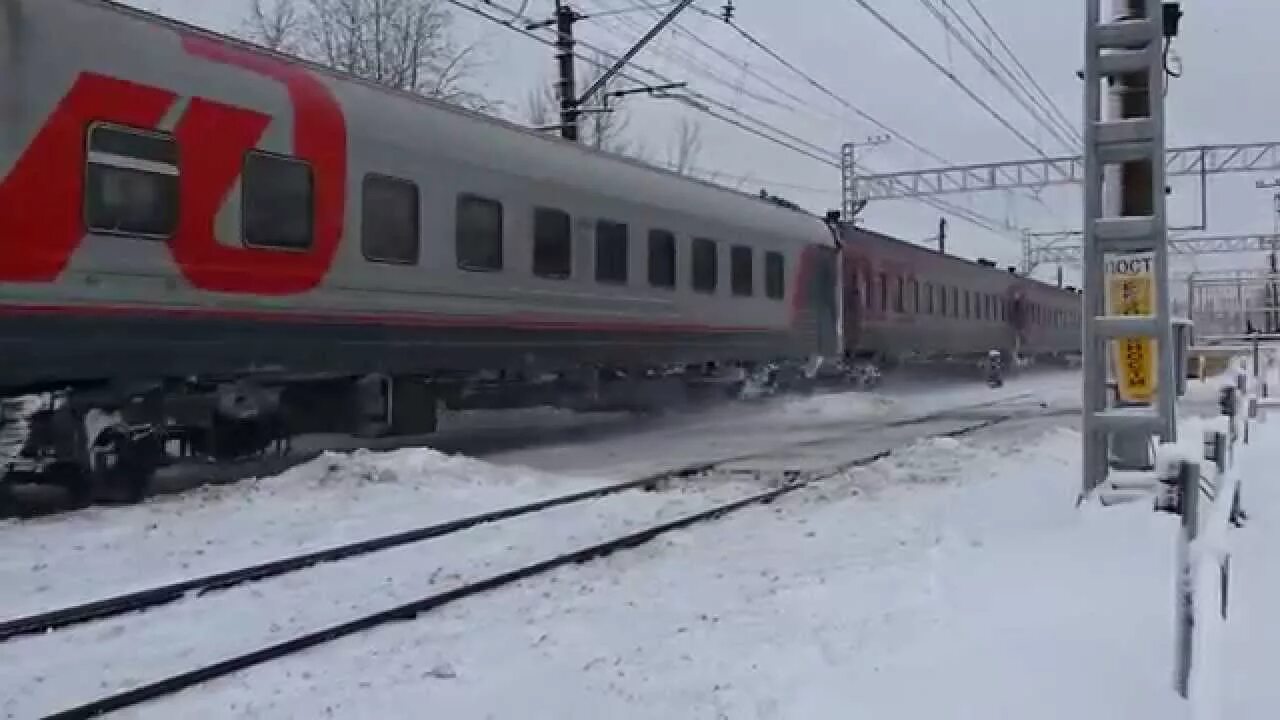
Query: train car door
[
  {"x": 853, "y": 304},
  {"x": 826, "y": 316}
]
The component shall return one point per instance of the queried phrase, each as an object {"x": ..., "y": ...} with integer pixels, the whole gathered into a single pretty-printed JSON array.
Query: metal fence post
[{"x": 1189, "y": 491}]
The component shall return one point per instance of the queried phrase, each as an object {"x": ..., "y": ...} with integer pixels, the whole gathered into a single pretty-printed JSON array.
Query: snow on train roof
[{"x": 462, "y": 135}]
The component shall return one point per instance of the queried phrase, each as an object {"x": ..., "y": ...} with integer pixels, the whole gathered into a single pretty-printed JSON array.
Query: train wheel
[{"x": 122, "y": 462}]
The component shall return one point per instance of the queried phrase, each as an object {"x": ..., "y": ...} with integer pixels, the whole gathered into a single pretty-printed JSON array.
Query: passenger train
[{"x": 207, "y": 243}]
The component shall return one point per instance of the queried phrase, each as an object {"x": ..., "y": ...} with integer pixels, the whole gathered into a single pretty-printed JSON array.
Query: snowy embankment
[{"x": 956, "y": 579}]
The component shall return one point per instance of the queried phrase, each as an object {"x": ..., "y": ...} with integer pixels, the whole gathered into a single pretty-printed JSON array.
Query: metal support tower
[
  {"x": 1126, "y": 53},
  {"x": 1190, "y": 161},
  {"x": 851, "y": 204},
  {"x": 1040, "y": 248}
]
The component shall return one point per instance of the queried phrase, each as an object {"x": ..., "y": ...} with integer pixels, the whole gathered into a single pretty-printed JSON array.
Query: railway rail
[
  {"x": 792, "y": 481},
  {"x": 139, "y": 600}
]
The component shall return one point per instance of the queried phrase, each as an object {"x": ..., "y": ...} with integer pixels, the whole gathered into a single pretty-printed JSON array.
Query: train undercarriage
[{"x": 105, "y": 442}]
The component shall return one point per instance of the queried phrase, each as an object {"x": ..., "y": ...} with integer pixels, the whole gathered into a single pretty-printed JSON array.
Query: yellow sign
[{"x": 1131, "y": 291}]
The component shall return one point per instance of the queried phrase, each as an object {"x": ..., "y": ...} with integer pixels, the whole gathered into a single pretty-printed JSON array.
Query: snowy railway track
[
  {"x": 153, "y": 597},
  {"x": 792, "y": 480},
  {"x": 139, "y": 600}
]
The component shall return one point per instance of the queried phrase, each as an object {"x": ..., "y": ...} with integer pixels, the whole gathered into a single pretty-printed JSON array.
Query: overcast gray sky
[{"x": 1227, "y": 94}]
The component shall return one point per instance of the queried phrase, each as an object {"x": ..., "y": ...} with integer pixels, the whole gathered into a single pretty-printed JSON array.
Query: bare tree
[
  {"x": 604, "y": 127},
  {"x": 272, "y": 25},
  {"x": 683, "y": 152},
  {"x": 541, "y": 107},
  {"x": 403, "y": 44}
]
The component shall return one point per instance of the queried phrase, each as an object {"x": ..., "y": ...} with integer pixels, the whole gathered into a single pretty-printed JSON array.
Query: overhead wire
[
  {"x": 978, "y": 99},
  {"x": 694, "y": 98},
  {"x": 1016, "y": 89},
  {"x": 827, "y": 91},
  {"x": 1062, "y": 117},
  {"x": 966, "y": 214},
  {"x": 687, "y": 60}
]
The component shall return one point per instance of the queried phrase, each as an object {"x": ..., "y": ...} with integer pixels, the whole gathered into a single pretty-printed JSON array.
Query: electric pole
[
  {"x": 852, "y": 204},
  {"x": 942, "y": 235},
  {"x": 567, "y": 86},
  {"x": 1126, "y": 251},
  {"x": 570, "y": 102}
]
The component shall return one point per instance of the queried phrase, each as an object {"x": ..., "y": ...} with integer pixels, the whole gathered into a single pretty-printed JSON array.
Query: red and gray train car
[{"x": 203, "y": 240}]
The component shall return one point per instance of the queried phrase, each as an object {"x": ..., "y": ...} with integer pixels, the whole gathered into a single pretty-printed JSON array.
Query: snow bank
[{"x": 334, "y": 499}]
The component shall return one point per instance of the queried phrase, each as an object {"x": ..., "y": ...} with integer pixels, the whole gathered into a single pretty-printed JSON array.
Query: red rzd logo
[{"x": 41, "y": 218}]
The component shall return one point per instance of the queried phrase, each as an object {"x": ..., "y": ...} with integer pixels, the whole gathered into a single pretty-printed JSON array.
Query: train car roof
[
  {"x": 515, "y": 149},
  {"x": 846, "y": 228}
]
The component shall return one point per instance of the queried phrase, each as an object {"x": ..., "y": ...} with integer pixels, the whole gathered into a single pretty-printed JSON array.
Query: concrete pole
[{"x": 565, "y": 19}]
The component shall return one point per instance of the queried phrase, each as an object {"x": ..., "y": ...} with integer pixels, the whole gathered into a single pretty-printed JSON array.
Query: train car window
[
  {"x": 884, "y": 292},
  {"x": 928, "y": 297},
  {"x": 899, "y": 298},
  {"x": 955, "y": 302},
  {"x": 704, "y": 265},
  {"x": 915, "y": 297},
  {"x": 131, "y": 185},
  {"x": 276, "y": 202},
  {"x": 869, "y": 295},
  {"x": 967, "y": 310},
  {"x": 611, "y": 252},
  {"x": 389, "y": 220},
  {"x": 479, "y": 234},
  {"x": 741, "y": 271},
  {"x": 775, "y": 275},
  {"x": 552, "y": 243},
  {"x": 662, "y": 259},
  {"x": 942, "y": 300}
]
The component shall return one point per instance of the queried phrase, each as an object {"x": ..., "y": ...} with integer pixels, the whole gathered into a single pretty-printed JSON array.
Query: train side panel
[{"x": 77, "y": 302}]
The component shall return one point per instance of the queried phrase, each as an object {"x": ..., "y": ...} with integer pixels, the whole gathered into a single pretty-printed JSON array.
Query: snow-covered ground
[
  {"x": 954, "y": 579},
  {"x": 338, "y": 498},
  {"x": 74, "y": 558}
]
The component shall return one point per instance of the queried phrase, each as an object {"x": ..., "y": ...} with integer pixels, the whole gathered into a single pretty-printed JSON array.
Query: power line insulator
[{"x": 727, "y": 11}]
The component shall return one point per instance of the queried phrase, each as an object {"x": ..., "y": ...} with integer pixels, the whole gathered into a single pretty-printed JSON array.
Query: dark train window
[
  {"x": 968, "y": 304},
  {"x": 704, "y": 265},
  {"x": 884, "y": 292},
  {"x": 942, "y": 300},
  {"x": 955, "y": 302},
  {"x": 928, "y": 297},
  {"x": 741, "y": 271},
  {"x": 611, "y": 252},
  {"x": 276, "y": 202},
  {"x": 552, "y": 243},
  {"x": 479, "y": 237},
  {"x": 869, "y": 295},
  {"x": 131, "y": 182},
  {"x": 915, "y": 297},
  {"x": 775, "y": 275},
  {"x": 389, "y": 220},
  {"x": 899, "y": 298},
  {"x": 662, "y": 259}
]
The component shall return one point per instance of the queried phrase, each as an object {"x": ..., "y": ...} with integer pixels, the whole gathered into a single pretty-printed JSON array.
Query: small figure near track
[{"x": 995, "y": 368}]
